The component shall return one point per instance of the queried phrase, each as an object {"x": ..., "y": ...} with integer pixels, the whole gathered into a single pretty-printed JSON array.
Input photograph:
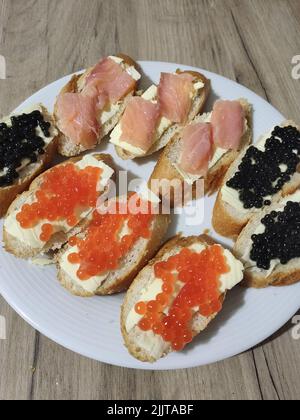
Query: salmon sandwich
[
  {"x": 151, "y": 120},
  {"x": 91, "y": 104}
]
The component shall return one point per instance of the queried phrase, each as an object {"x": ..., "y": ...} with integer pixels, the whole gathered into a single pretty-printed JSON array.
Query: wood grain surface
[{"x": 250, "y": 41}]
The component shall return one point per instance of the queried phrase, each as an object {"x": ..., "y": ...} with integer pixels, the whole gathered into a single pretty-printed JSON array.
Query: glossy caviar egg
[{"x": 199, "y": 276}]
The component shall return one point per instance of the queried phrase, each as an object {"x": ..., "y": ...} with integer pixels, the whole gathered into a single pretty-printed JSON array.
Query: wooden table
[{"x": 250, "y": 41}]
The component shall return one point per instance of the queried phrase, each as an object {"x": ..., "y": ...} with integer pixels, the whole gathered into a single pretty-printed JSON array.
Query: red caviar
[
  {"x": 103, "y": 247},
  {"x": 65, "y": 190},
  {"x": 199, "y": 275}
]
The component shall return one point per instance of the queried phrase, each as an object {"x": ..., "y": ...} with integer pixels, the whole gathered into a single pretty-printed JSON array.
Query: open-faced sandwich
[
  {"x": 206, "y": 147},
  {"x": 120, "y": 239},
  {"x": 151, "y": 120},
  {"x": 270, "y": 244},
  {"x": 28, "y": 142},
  {"x": 176, "y": 296},
  {"x": 57, "y": 205},
  {"x": 91, "y": 104},
  {"x": 260, "y": 175}
]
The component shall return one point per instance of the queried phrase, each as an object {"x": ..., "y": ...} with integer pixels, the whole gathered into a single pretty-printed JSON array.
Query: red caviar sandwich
[
  {"x": 57, "y": 205},
  {"x": 120, "y": 239},
  {"x": 91, "y": 104},
  {"x": 206, "y": 147},
  {"x": 176, "y": 296},
  {"x": 151, "y": 120}
]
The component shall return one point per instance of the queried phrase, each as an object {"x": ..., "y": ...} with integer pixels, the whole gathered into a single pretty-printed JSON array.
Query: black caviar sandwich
[
  {"x": 261, "y": 176},
  {"x": 28, "y": 142},
  {"x": 269, "y": 246}
]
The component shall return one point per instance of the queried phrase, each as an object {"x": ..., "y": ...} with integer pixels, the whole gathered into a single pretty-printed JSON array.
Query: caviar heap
[
  {"x": 199, "y": 278},
  {"x": 280, "y": 239},
  {"x": 263, "y": 173},
  {"x": 93, "y": 258},
  {"x": 65, "y": 192},
  {"x": 21, "y": 141}
]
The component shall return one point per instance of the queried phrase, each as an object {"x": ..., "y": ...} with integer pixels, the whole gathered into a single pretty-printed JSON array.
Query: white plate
[{"x": 91, "y": 326}]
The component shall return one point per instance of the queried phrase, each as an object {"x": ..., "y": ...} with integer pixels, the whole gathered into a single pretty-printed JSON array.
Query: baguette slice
[
  {"x": 66, "y": 146},
  {"x": 229, "y": 221},
  {"x": 281, "y": 275},
  {"x": 165, "y": 169},
  {"x": 31, "y": 171},
  {"x": 197, "y": 107},
  {"x": 153, "y": 347},
  {"x": 24, "y": 250},
  {"x": 118, "y": 280}
]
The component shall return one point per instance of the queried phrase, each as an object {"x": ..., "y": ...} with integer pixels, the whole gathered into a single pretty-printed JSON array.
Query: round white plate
[{"x": 91, "y": 326}]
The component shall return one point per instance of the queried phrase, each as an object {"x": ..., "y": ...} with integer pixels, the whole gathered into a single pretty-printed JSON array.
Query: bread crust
[
  {"x": 173, "y": 131},
  {"x": 229, "y": 222},
  {"x": 165, "y": 169},
  {"x": 8, "y": 194},
  {"x": 132, "y": 297},
  {"x": 20, "y": 250},
  {"x": 123, "y": 281},
  {"x": 66, "y": 147}
]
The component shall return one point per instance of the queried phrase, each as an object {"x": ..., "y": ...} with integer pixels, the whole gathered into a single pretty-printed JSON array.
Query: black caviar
[
  {"x": 260, "y": 175},
  {"x": 21, "y": 141},
  {"x": 281, "y": 238}
]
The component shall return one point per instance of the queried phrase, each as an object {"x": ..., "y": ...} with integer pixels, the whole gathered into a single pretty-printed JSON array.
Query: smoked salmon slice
[
  {"x": 94, "y": 91},
  {"x": 197, "y": 149},
  {"x": 175, "y": 92},
  {"x": 228, "y": 122},
  {"x": 78, "y": 118},
  {"x": 139, "y": 123},
  {"x": 110, "y": 78}
]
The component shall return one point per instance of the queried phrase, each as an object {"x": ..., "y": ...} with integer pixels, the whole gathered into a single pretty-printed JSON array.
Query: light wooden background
[{"x": 251, "y": 41}]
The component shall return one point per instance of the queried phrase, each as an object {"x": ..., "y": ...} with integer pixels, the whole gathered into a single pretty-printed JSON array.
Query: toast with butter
[
  {"x": 56, "y": 206},
  {"x": 269, "y": 244},
  {"x": 216, "y": 162},
  {"x": 169, "y": 302},
  {"x": 106, "y": 256},
  {"x": 34, "y": 147},
  {"x": 94, "y": 124},
  {"x": 260, "y": 175},
  {"x": 164, "y": 129}
]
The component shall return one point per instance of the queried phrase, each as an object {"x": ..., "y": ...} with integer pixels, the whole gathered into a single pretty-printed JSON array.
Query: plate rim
[{"x": 184, "y": 365}]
